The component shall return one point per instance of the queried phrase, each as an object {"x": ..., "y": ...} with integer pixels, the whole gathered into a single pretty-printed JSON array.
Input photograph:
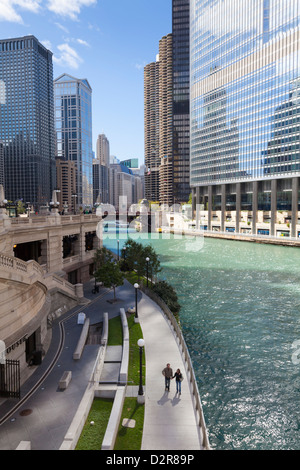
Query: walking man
[{"x": 167, "y": 372}]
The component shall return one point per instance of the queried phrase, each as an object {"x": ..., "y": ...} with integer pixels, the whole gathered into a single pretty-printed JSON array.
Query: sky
[{"x": 108, "y": 42}]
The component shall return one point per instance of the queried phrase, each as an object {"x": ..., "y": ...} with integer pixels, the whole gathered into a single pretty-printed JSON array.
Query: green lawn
[
  {"x": 115, "y": 334},
  {"x": 131, "y": 438},
  {"x": 92, "y": 436}
]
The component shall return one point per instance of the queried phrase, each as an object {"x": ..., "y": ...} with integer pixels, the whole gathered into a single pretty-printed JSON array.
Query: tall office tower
[
  {"x": 103, "y": 153},
  {"x": 27, "y": 120},
  {"x": 244, "y": 99},
  {"x": 181, "y": 99},
  {"x": 165, "y": 94},
  {"x": 151, "y": 130},
  {"x": 100, "y": 183},
  {"x": 73, "y": 121},
  {"x": 66, "y": 175},
  {"x": 1, "y": 164}
]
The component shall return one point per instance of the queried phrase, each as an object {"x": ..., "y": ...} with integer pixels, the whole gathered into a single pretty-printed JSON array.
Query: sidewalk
[
  {"x": 45, "y": 417},
  {"x": 170, "y": 422}
]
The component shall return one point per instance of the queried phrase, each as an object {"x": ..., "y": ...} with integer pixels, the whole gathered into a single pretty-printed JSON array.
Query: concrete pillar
[
  {"x": 273, "y": 206},
  {"x": 197, "y": 207},
  {"x": 209, "y": 207},
  {"x": 193, "y": 202},
  {"x": 254, "y": 206},
  {"x": 79, "y": 290},
  {"x": 237, "y": 207},
  {"x": 295, "y": 199},
  {"x": 55, "y": 252},
  {"x": 223, "y": 206},
  {"x": 44, "y": 253}
]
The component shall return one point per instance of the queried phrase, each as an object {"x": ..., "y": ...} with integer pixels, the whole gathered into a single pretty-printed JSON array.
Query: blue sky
[{"x": 106, "y": 41}]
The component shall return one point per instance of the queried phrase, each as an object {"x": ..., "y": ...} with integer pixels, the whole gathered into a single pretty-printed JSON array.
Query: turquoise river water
[{"x": 240, "y": 318}]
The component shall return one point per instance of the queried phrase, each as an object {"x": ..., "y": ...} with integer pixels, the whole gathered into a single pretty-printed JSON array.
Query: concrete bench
[
  {"x": 82, "y": 340},
  {"x": 65, "y": 380},
  {"x": 125, "y": 350},
  {"x": 114, "y": 420},
  {"x": 24, "y": 445}
]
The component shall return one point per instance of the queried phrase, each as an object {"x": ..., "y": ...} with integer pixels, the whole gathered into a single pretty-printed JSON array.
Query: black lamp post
[
  {"x": 118, "y": 241},
  {"x": 136, "y": 286},
  {"x": 141, "y": 344},
  {"x": 147, "y": 259}
]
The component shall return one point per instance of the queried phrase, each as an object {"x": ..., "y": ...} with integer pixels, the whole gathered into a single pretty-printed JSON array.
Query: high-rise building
[
  {"x": 103, "y": 152},
  {"x": 1, "y": 164},
  {"x": 181, "y": 100},
  {"x": 100, "y": 183},
  {"x": 73, "y": 121},
  {"x": 27, "y": 120},
  {"x": 165, "y": 95},
  {"x": 151, "y": 130},
  {"x": 158, "y": 112},
  {"x": 244, "y": 98},
  {"x": 66, "y": 173}
]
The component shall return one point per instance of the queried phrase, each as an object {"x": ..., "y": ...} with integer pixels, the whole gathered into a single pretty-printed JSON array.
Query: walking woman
[{"x": 179, "y": 378}]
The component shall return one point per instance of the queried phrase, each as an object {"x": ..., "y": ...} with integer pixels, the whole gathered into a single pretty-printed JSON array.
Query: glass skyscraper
[
  {"x": 181, "y": 96},
  {"x": 245, "y": 109},
  {"x": 27, "y": 120},
  {"x": 73, "y": 122}
]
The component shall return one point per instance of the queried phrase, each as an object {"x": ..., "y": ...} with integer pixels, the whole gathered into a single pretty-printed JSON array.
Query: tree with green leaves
[
  {"x": 134, "y": 255},
  {"x": 107, "y": 270},
  {"x": 168, "y": 295}
]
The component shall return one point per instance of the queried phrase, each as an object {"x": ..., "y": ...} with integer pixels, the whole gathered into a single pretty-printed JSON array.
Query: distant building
[
  {"x": 27, "y": 120},
  {"x": 123, "y": 183},
  {"x": 131, "y": 163},
  {"x": 66, "y": 172},
  {"x": 100, "y": 183},
  {"x": 103, "y": 153},
  {"x": 73, "y": 108}
]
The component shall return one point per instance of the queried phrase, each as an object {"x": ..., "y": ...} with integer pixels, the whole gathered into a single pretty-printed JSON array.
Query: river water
[{"x": 240, "y": 318}]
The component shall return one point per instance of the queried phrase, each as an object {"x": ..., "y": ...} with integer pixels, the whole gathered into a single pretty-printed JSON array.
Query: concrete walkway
[
  {"x": 170, "y": 422},
  {"x": 44, "y": 418}
]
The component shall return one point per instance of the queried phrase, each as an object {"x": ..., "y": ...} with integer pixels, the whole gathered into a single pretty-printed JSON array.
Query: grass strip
[
  {"x": 92, "y": 435},
  {"x": 131, "y": 438}
]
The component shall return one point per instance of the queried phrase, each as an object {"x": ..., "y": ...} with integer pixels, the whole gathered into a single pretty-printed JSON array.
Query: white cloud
[
  {"x": 69, "y": 8},
  {"x": 63, "y": 28},
  {"x": 8, "y": 9},
  {"x": 68, "y": 57},
  {"x": 83, "y": 43}
]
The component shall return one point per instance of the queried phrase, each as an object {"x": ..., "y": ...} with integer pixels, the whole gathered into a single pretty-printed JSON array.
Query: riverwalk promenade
[{"x": 45, "y": 413}]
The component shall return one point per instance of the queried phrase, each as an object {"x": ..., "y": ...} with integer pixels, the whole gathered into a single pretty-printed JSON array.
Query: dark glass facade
[
  {"x": 27, "y": 120},
  {"x": 181, "y": 121}
]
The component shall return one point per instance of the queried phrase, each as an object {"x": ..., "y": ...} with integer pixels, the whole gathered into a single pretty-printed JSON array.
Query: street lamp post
[
  {"x": 141, "y": 398},
  {"x": 136, "y": 317},
  {"x": 147, "y": 259},
  {"x": 118, "y": 241}
]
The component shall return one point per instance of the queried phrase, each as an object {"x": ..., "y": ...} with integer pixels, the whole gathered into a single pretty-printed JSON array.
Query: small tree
[
  {"x": 168, "y": 295},
  {"x": 107, "y": 270},
  {"x": 135, "y": 255}
]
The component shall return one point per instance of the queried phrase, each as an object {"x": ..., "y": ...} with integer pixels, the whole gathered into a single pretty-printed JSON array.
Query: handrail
[{"x": 186, "y": 354}]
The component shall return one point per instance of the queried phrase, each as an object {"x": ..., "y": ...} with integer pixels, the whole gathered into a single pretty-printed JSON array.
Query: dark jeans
[
  {"x": 178, "y": 386},
  {"x": 167, "y": 382}
]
